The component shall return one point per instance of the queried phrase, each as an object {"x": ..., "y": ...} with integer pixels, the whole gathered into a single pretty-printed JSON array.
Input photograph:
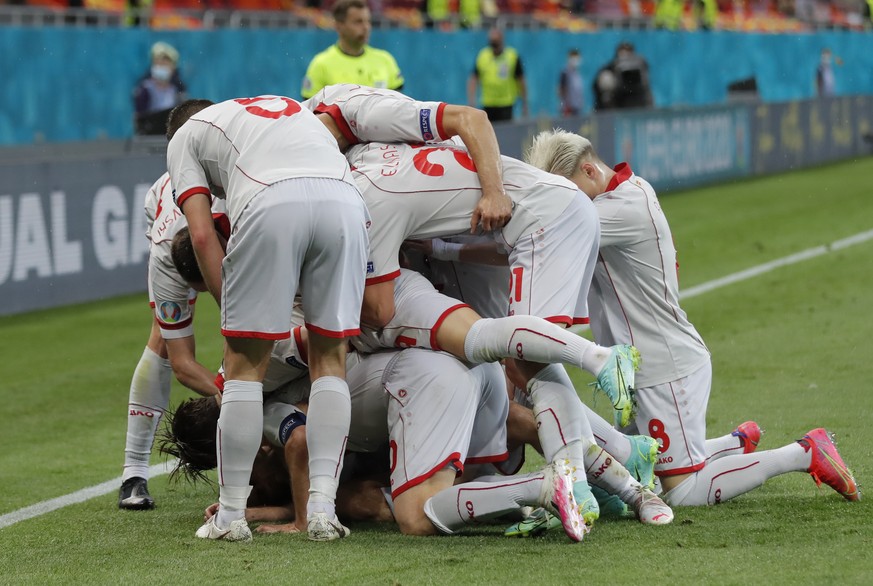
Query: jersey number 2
[{"x": 291, "y": 107}]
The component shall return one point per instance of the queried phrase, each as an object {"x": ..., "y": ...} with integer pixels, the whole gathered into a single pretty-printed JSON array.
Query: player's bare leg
[
  {"x": 409, "y": 505},
  {"x": 239, "y": 433},
  {"x": 148, "y": 399},
  {"x": 327, "y": 429}
]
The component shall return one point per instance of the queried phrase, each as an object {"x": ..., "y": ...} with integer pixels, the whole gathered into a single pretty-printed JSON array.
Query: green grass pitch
[{"x": 791, "y": 349}]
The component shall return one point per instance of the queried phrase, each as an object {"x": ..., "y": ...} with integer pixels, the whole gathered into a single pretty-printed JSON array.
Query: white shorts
[
  {"x": 432, "y": 406},
  {"x": 675, "y": 414},
  {"x": 488, "y": 441},
  {"x": 419, "y": 311},
  {"x": 309, "y": 233},
  {"x": 551, "y": 269}
]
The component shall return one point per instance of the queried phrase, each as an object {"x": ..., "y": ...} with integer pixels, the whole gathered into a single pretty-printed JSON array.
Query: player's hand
[
  {"x": 210, "y": 512},
  {"x": 492, "y": 212},
  {"x": 283, "y": 528}
]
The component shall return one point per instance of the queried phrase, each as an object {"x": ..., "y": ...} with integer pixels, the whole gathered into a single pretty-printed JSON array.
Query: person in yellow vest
[
  {"x": 351, "y": 59},
  {"x": 499, "y": 72},
  {"x": 668, "y": 14},
  {"x": 706, "y": 12}
]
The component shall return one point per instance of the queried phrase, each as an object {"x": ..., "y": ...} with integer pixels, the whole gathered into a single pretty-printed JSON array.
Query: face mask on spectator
[{"x": 162, "y": 72}]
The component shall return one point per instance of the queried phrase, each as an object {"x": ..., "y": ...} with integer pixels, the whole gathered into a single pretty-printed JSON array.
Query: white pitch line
[
  {"x": 80, "y": 496},
  {"x": 85, "y": 494},
  {"x": 775, "y": 264}
]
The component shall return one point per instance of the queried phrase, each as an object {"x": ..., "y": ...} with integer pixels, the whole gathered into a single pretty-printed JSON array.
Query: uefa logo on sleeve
[{"x": 170, "y": 312}]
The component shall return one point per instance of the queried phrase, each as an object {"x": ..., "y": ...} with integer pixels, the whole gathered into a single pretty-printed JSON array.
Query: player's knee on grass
[{"x": 409, "y": 506}]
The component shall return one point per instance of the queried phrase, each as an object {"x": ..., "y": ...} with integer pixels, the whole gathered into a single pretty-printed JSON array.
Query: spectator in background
[
  {"x": 499, "y": 71},
  {"x": 158, "y": 91},
  {"x": 570, "y": 89},
  {"x": 351, "y": 59},
  {"x": 824, "y": 75},
  {"x": 632, "y": 78}
]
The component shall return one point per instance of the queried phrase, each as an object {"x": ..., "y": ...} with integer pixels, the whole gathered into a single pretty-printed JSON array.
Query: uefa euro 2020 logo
[{"x": 170, "y": 312}]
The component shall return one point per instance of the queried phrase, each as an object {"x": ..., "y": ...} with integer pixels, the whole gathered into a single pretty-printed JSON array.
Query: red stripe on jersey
[
  {"x": 332, "y": 333},
  {"x": 298, "y": 339},
  {"x": 439, "y": 322},
  {"x": 152, "y": 304},
  {"x": 383, "y": 278},
  {"x": 454, "y": 460},
  {"x": 176, "y": 326},
  {"x": 219, "y": 382},
  {"x": 439, "y": 121},
  {"x": 180, "y": 199},
  {"x": 488, "y": 459},
  {"x": 258, "y": 335},
  {"x": 334, "y": 112},
  {"x": 581, "y": 320}
]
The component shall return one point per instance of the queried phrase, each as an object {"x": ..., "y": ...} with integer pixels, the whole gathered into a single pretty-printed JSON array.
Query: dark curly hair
[
  {"x": 189, "y": 436},
  {"x": 181, "y": 113},
  {"x": 184, "y": 258}
]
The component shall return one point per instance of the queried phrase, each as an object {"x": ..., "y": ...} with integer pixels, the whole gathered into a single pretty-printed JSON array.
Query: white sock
[
  {"x": 464, "y": 504},
  {"x": 731, "y": 476},
  {"x": 719, "y": 447},
  {"x": 557, "y": 409},
  {"x": 526, "y": 337},
  {"x": 148, "y": 399},
  {"x": 607, "y": 437},
  {"x": 327, "y": 431},
  {"x": 238, "y": 437},
  {"x": 604, "y": 471}
]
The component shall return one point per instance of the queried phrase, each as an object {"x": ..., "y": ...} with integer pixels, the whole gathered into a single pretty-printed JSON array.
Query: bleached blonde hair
[{"x": 560, "y": 152}]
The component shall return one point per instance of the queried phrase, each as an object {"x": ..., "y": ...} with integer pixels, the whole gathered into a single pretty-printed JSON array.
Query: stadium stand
[{"x": 771, "y": 16}]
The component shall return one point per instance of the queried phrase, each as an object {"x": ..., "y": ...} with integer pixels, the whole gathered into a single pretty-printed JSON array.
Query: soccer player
[
  {"x": 427, "y": 191},
  {"x": 435, "y": 414},
  {"x": 170, "y": 348},
  {"x": 297, "y": 220},
  {"x": 635, "y": 299},
  {"x": 356, "y": 114}
]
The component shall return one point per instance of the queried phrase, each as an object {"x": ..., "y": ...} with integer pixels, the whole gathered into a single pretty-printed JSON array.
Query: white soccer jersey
[
  {"x": 429, "y": 191},
  {"x": 634, "y": 296},
  {"x": 169, "y": 295},
  {"x": 237, "y": 148},
  {"x": 365, "y": 114}
]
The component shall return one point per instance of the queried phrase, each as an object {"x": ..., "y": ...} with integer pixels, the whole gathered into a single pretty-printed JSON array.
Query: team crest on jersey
[
  {"x": 171, "y": 312},
  {"x": 424, "y": 124}
]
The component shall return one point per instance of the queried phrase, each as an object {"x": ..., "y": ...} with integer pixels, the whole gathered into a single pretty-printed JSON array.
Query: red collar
[{"x": 622, "y": 173}]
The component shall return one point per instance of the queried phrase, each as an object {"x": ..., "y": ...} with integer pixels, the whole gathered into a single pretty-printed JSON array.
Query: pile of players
[{"x": 307, "y": 222}]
